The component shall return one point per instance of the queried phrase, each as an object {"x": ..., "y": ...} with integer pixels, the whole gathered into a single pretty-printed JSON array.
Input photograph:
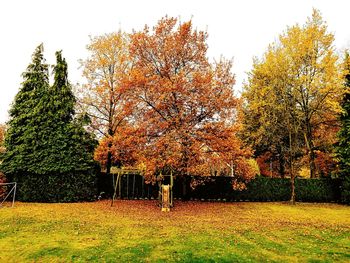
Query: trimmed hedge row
[
  {"x": 271, "y": 189},
  {"x": 220, "y": 188},
  {"x": 69, "y": 187},
  {"x": 73, "y": 187}
]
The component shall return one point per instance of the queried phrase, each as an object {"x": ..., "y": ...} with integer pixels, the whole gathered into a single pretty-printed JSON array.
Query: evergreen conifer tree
[
  {"x": 21, "y": 136},
  {"x": 343, "y": 147},
  {"x": 48, "y": 150},
  {"x": 65, "y": 145}
]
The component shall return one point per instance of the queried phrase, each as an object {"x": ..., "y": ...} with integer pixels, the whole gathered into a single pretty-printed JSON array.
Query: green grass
[{"x": 136, "y": 231}]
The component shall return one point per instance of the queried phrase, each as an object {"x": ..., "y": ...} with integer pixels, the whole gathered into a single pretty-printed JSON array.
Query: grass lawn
[{"x": 136, "y": 231}]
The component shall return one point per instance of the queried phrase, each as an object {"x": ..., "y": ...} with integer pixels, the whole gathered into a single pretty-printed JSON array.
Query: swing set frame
[
  {"x": 117, "y": 182},
  {"x": 117, "y": 174}
]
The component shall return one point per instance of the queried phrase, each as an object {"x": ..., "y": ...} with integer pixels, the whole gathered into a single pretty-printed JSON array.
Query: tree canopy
[
  {"x": 103, "y": 97},
  {"x": 183, "y": 112},
  {"x": 343, "y": 145},
  {"x": 297, "y": 82}
]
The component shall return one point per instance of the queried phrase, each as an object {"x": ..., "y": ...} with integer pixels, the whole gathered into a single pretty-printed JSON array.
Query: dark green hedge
[
  {"x": 345, "y": 190},
  {"x": 271, "y": 189},
  {"x": 260, "y": 189},
  {"x": 318, "y": 190},
  {"x": 69, "y": 187},
  {"x": 275, "y": 189}
]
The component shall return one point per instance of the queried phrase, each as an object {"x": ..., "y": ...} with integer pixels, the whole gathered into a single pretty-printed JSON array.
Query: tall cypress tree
[
  {"x": 343, "y": 147},
  {"x": 49, "y": 152},
  {"x": 21, "y": 135},
  {"x": 69, "y": 146}
]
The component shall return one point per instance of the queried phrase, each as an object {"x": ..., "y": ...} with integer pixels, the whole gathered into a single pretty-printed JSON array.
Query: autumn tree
[
  {"x": 267, "y": 111},
  {"x": 103, "y": 97},
  {"x": 299, "y": 71},
  {"x": 186, "y": 104},
  {"x": 318, "y": 80},
  {"x": 272, "y": 122},
  {"x": 343, "y": 146}
]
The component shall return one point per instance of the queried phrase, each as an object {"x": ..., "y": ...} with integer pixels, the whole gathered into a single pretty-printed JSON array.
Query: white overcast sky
[{"x": 237, "y": 29}]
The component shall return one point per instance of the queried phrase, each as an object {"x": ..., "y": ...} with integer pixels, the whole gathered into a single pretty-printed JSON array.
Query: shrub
[
  {"x": 317, "y": 190},
  {"x": 345, "y": 193},
  {"x": 68, "y": 187},
  {"x": 260, "y": 189},
  {"x": 2, "y": 189}
]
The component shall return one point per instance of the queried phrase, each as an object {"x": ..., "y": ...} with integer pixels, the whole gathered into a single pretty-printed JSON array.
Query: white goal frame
[{"x": 13, "y": 190}]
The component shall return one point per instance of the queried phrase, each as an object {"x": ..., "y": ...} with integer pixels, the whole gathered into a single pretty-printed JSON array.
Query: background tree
[
  {"x": 2, "y": 151},
  {"x": 21, "y": 135},
  {"x": 266, "y": 113},
  {"x": 2, "y": 140},
  {"x": 317, "y": 78},
  {"x": 187, "y": 106},
  {"x": 272, "y": 122},
  {"x": 103, "y": 97},
  {"x": 343, "y": 146},
  {"x": 48, "y": 152},
  {"x": 64, "y": 144},
  {"x": 300, "y": 70}
]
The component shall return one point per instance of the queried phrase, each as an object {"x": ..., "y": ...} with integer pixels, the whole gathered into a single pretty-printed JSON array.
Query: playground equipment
[
  {"x": 166, "y": 191},
  {"x": 165, "y": 198},
  {"x": 117, "y": 174},
  {"x": 165, "y": 185}
]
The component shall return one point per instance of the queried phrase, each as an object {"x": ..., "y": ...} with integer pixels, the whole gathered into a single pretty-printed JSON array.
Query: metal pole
[
  {"x": 113, "y": 189},
  {"x": 133, "y": 188},
  {"x": 8, "y": 193},
  {"x": 14, "y": 195}
]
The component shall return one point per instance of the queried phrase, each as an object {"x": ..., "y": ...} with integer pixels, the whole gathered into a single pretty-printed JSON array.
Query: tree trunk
[
  {"x": 292, "y": 183},
  {"x": 109, "y": 153},
  {"x": 312, "y": 165},
  {"x": 310, "y": 146},
  {"x": 109, "y": 158},
  {"x": 291, "y": 171},
  {"x": 280, "y": 156}
]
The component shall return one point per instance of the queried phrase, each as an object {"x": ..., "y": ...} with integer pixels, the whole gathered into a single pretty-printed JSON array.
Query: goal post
[{"x": 8, "y": 192}]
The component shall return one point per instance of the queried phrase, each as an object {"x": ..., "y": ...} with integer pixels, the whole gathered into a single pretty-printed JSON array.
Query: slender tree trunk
[
  {"x": 109, "y": 158},
  {"x": 280, "y": 158},
  {"x": 312, "y": 158},
  {"x": 310, "y": 146},
  {"x": 109, "y": 153},
  {"x": 292, "y": 198},
  {"x": 292, "y": 174},
  {"x": 110, "y": 128}
]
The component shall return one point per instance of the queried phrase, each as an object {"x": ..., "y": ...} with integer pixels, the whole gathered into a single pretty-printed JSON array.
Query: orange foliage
[
  {"x": 185, "y": 104},
  {"x": 126, "y": 147},
  {"x": 265, "y": 164},
  {"x": 325, "y": 163}
]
